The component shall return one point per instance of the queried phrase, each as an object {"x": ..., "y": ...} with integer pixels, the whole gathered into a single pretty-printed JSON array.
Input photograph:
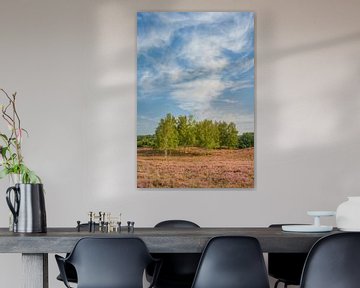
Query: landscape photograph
[{"x": 195, "y": 100}]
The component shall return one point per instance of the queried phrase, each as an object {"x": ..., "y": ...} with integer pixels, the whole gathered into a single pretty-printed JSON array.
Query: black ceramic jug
[{"x": 28, "y": 207}]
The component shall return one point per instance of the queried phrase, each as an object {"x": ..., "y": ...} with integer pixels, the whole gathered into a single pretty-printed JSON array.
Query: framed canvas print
[{"x": 195, "y": 100}]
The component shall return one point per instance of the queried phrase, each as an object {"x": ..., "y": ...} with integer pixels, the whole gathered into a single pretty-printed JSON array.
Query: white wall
[{"x": 73, "y": 64}]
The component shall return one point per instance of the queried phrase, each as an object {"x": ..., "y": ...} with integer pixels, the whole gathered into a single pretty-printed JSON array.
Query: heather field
[{"x": 195, "y": 168}]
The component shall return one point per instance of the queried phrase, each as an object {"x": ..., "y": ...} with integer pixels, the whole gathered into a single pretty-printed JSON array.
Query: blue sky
[{"x": 195, "y": 63}]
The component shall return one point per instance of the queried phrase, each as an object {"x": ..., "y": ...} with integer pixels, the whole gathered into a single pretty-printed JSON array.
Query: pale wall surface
[{"x": 73, "y": 64}]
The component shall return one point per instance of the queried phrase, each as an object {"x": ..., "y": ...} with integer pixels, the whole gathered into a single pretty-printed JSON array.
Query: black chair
[
  {"x": 178, "y": 269},
  {"x": 69, "y": 269},
  {"x": 232, "y": 262},
  {"x": 286, "y": 267},
  {"x": 108, "y": 263},
  {"x": 333, "y": 262}
]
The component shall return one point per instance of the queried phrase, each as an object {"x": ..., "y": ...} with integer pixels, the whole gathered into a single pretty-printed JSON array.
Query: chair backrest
[
  {"x": 287, "y": 267},
  {"x": 178, "y": 269},
  {"x": 176, "y": 224},
  {"x": 333, "y": 262},
  {"x": 110, "y": 262},
  {"x": 232, "y": 262}
]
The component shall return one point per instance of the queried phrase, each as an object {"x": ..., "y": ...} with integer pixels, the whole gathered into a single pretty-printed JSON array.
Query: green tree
[
  {"x": 228, "y": 134},
  {"x": 186, "y": 127},
  {"x": 246, "y": 140},
  {"x": 207, "y": 134},
  {"x": 146, "y": 141},
  {"x": 166, "y": 134},
  {"x": 232, "y": 136},
  {"x": 222, "y": 126}
]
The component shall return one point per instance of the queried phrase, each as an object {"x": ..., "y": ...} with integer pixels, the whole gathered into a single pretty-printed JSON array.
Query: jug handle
[{"x": 13, "y": 208}]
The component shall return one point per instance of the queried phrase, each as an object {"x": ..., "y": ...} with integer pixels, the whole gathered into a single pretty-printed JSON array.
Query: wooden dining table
[{"x": 35, "y": 247}]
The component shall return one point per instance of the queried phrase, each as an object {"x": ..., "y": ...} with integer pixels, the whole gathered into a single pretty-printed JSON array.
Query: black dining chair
[
  {"x": 70, "y": 271},
  {"x": 286, "y": 267},
  {"x": 178, "y": 269},
  {"x": 232, "y": 262},
  {"x": 108, "y": 263},
  {"x": 333, "y": 262}
]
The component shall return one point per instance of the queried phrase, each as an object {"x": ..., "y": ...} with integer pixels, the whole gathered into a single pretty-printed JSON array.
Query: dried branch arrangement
[{"x": 11, "y": 158}]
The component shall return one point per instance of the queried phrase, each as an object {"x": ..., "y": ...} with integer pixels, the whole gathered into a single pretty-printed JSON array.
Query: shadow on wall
[
  {"x": 312, "y": 93},
  {"x": 271, "y": 56}
]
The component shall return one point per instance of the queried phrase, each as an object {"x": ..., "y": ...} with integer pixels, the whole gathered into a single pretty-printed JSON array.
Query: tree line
[{"x": 185, "y": 131}]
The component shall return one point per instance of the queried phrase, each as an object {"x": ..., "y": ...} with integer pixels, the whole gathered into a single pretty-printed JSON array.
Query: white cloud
[
  {"x": 194, "y": 72},
  {"x": 228, "y": 101},
  {"x": 243, "y": 120},
  {"x": 237, "y": 85},
  {"x": 154, "y": 38},
  {"x": 204, "y": 52},
  {"x": 233, "y": 34},
  {"x": 197, "y": 95}
]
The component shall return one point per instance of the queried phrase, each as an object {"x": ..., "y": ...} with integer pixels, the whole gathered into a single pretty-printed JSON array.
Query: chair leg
[{"x": 278, "y": 282}]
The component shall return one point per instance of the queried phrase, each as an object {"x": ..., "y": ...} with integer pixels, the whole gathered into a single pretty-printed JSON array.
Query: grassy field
[{"x": 195, "y": 168}]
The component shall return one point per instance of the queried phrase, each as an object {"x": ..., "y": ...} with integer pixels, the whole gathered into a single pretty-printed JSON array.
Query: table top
[{"x": 158, "y": 240}]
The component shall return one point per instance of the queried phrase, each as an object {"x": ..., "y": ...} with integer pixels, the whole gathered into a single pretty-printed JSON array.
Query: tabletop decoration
[
  {"x": 25, "y": 197},
  {"x": 315, "y": 227},
  {"x": 348, "y": 214},
  {"x": 12, "y": 160}
]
